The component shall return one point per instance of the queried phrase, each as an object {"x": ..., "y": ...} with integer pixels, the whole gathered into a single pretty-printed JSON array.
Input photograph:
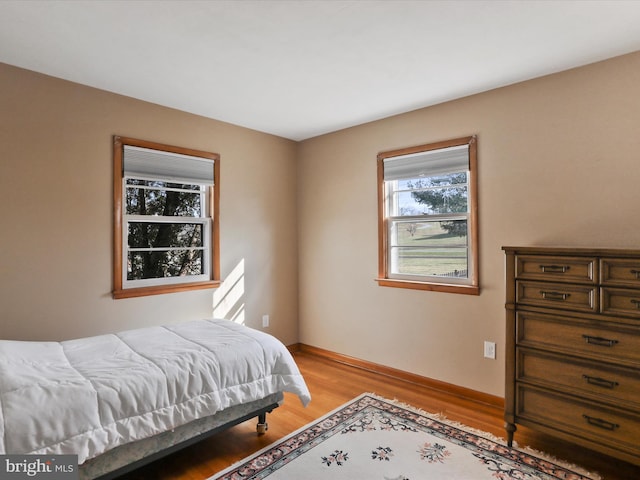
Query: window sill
[
  {"x": 162, "y": 289},
  {"x": 434, "y": 287}
]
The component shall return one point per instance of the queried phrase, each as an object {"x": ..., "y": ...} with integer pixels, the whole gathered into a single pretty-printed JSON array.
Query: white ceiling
[{"x": 298, "y": 69}]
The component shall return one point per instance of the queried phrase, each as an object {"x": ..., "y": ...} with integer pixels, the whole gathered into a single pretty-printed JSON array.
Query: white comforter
[{"x": 89, "y": 395}]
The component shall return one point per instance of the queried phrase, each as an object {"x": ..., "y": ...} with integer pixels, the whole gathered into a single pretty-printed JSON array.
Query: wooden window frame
[
  {"x": 214, "y": 214},
  {"x": 472, "y": 288}
]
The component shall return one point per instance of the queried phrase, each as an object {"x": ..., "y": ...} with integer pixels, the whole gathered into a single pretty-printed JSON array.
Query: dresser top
[{"x": 573, "y": 251}]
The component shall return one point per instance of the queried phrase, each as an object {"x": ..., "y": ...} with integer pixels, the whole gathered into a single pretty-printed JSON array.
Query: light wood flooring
[{"x": 331, "y": 385}]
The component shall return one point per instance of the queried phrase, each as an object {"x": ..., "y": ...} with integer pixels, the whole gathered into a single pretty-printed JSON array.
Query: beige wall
[
  {"x": 558, "y": 164},
  {"x": 55, "y": 192}
]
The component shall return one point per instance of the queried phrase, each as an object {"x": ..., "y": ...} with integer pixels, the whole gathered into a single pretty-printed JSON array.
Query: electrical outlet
[
  {"x": 490, "y": 350},
  {"x": 265, "y": 321}
]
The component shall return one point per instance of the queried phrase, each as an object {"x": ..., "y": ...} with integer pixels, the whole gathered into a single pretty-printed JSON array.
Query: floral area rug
[{"x": 373, "y": 438}]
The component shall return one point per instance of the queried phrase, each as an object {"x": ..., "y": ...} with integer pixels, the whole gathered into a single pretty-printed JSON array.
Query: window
[
  {"x": 427, "y": 209},
  {"x": 166, "y": 235}
]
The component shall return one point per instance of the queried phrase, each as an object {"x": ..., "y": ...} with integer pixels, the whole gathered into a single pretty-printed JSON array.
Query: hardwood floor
[{"x": 331, "y": 385}]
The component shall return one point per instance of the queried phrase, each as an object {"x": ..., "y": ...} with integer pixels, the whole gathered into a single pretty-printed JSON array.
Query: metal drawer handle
[
  {"x": 636, "y": 273},
  {"x": 555, "y": 268},
  {"x": 554, "y": 295},
  {"x": 600, "y": 382},
  {"x": 635, "y": 302},
  {"x": 598, "y": 422},
  {"x": 603, "y": 342}
]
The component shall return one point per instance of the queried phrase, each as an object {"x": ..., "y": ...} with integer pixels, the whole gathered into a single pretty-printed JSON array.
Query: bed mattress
[{"x": 90, "y": 395}]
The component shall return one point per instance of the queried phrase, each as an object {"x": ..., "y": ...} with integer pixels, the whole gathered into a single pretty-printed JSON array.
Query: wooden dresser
[{"x": 573, "y": 346}]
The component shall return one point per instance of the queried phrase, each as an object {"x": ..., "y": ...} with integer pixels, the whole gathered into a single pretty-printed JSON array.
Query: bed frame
[{"x": 128, "y": 457}]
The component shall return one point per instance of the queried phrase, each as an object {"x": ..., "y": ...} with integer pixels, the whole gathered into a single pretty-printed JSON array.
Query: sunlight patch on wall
[{"x": 228, "y": 299}]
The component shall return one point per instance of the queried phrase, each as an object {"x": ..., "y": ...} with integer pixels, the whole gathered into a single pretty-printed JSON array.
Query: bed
[{"x": 121, "y": 400}]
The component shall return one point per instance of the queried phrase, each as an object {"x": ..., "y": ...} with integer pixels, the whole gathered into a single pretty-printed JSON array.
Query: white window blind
[
  {"x": 427, "y": 164},
  {"x": 150, "y": 164}
]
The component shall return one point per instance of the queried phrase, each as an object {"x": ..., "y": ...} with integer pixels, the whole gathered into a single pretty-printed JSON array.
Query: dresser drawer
[
  {"x": 557, "y": 269},
  {"x": 584, "y": 419},
  {"x": 579, "y": 337},
  {"x": 581, "y": 377},
  {"x": 621, "y": 301},
  {"x": 620, "y": 272},
  {"x": 558, "y": 295}
]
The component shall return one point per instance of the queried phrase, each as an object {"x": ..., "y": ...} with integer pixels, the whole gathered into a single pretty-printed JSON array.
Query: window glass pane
[
  {"x": 166, "y": 263},
  {"x": 456, "y": 178},
  {"x": 449, "y": 262},
  {"x": 161, "y": 185},
  {"x": 431, "y": 195},
  {"x": 159, "y": 235},
  {"x": 434, "y": 248},
  {"x": 429, "y": 233},
  {"x": 146, "y": 197}
]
